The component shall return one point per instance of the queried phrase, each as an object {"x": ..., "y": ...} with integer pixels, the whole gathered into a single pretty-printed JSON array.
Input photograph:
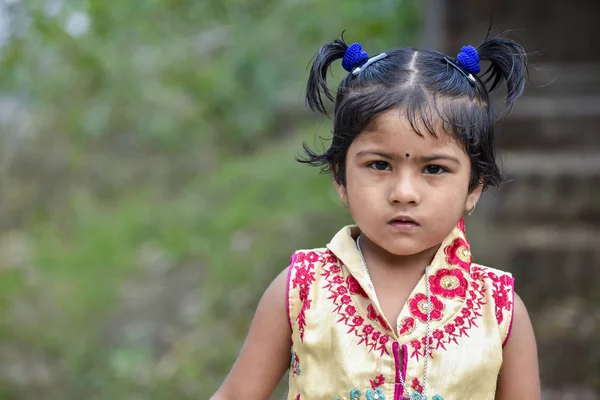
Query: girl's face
[{"x": 406, "y": 192}]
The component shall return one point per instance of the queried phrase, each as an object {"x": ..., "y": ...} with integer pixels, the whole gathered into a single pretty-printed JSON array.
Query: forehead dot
[{"x": 407, "y": 155}]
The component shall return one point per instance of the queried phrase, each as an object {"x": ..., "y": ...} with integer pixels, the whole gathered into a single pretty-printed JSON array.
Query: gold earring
[
  {"x": 344, "y": 203},
  {"x": 472, "y": 209}
]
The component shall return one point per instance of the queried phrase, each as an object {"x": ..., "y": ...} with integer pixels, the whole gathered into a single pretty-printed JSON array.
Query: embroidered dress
[{"x": 344, "y": 348}]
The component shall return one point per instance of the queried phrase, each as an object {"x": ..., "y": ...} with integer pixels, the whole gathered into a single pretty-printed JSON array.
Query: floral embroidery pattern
[
  {"x": 371, "y": 394},
  {"x": 406, "y": 326},
  {"x": 378, "y": 381},
  {"x": 458, "y": 253},
  {"x": 419, "y": 396},
  {"x": 418, "y": 307},
  {"x": 416, "y": 345},
  {"x": 375, "y": 394},
  {"x": 416, "y": 385},
  {"x": 373, "y": 316},
  {"x": 502, "y": 286},
  {"x": 449, "y": 283},
  {"x": 461, "y": 323},
  {"x": 355, "y": 287},
  {"x": 303, "y": 278},
  {"x": 339, "y": 292}
]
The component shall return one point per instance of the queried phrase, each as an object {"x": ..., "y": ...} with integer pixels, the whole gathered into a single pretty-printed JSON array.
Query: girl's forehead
[{"x": 393, "y": 128}]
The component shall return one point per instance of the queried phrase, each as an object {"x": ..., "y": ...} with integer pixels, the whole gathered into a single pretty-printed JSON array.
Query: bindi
[{"x": 407, "y": 155}]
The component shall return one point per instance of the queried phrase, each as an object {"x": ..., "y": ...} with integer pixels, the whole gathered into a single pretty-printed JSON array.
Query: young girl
[{"x": 394, "y": 307}]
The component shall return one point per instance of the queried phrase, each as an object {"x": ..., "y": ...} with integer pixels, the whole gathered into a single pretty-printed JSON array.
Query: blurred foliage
[{"x": 149, "y": 188}]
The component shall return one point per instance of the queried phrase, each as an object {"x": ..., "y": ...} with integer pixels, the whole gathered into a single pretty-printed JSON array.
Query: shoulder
[
  {"x": 304, "y": 265},
  {"x": 493, "y": 274},
  {"x": 500, "y": 291},
  {"x": 303, "y": 275},
  {"x": 497, "y": 280},
  {"x": 307, "y": 256}
]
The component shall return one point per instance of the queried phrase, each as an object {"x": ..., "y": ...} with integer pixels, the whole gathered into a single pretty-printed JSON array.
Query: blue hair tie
[
  {"x": 469, "y": 59},
  {"x": 354, "y": 56}
]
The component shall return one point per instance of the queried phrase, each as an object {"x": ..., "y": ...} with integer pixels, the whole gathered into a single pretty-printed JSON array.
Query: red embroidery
[
  {"x": 461, "y": 226},
  {"x": 460, "y": 325},
  {"x": 383, "y": 323},
  {"x": 416, "y": 385},
  {"x": 371, "y": 313},
  {"x": 449, "y": 283},
  {"x": 354, "y": 286},
  {"x": 407, "y": 325},
  {"x": 438, "y": 336},
  {"x": 369, "y": 335},
  {"x": 418, "y": 307},
  {"x": 416, "y": 345},
  {"x": 501, "y": 293},
  {"x": 303, "y": 278},
  {"x": 457, "y": 253},
  {"x": 378, "y": 381}
]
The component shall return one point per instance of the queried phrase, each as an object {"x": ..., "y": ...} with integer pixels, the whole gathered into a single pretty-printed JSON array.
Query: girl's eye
[
  {"x": 380, "y": 165},
  {"x": 435, "y": 170}
]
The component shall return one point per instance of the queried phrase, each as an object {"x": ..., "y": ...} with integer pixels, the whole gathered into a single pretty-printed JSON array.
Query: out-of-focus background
[{"x": 149, "y": 193}]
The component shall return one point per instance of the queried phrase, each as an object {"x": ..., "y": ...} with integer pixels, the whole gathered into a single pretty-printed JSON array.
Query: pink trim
[
  {"x": 398, "y": 388},
  {"x": 512, "y": 317},
  {"x": 404, "y": 362},
  {"x": 287, "y": 297}
]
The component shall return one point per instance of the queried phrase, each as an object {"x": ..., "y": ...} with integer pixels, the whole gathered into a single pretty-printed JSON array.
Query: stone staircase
[
  {"x": 548, "y": 223},
  {"x": 544, "y": 226}
]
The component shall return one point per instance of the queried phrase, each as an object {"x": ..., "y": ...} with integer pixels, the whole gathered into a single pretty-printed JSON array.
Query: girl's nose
[{"x": 404, "y": 190}]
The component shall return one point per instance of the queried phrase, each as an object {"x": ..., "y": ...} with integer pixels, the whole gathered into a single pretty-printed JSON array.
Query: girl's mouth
[{"x": 403, "y": 222}]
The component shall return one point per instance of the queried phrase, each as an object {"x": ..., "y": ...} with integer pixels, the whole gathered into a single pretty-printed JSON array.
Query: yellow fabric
[{"x": 342, "y": 342}]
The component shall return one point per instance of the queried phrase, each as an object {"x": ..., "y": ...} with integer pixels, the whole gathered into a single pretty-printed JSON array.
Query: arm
[
  {"x": 519, "y": 375},
  {"x": 265, "y": 356}
]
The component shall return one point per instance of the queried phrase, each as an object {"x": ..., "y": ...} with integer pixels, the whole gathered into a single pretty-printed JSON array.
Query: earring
[
  {"x": 472, "y": 209},
  {"x": 344, "y": 203}
]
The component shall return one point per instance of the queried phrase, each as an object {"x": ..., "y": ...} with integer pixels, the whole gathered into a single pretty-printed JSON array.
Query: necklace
[{"x": 415, "y": 395}]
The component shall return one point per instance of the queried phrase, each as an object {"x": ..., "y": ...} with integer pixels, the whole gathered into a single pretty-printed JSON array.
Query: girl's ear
[
  {"x": 473, "y": 198},
  {"x": 341, "y": 191},
  {"x": 339, "y": 188}
]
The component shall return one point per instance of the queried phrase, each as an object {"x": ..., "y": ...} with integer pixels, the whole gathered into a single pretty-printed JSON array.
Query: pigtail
[
  {"x": 508, "y": 63},
  {"x": 316, "y": 86}
]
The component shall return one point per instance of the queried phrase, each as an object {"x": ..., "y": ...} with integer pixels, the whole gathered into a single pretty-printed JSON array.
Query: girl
[{"x": 393, "y": 307}]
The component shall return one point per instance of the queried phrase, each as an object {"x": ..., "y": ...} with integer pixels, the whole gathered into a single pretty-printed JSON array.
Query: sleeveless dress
[{"x": 344, "y": 348}]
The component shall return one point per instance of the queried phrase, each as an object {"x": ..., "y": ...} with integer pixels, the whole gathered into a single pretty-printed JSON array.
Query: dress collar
[{"x": 449, "y": 277}]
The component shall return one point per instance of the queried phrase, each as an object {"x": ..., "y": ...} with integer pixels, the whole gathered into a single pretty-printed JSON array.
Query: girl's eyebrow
[
  {"x": 389, "y": 156},
  {"x": 396, "y": 156},
  {"x": 438, "y": 156}
]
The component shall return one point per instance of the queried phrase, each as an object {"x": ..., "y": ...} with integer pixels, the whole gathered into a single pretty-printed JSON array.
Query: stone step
[
  {"x": 556, "y": 275},
  {"x": 548, "y": 133},
  {"x": 569, "y": 362},
  {"x": 553, "y": 391},
  {"x": 563, "y": 265},
  {"x": 552, "y": 106},
  {"x": 548, "y": 188},
  {"x": 570, "y": 163}
]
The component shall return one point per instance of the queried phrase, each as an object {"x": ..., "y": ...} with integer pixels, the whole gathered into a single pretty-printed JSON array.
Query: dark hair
[{"x": 429, "y": 90}]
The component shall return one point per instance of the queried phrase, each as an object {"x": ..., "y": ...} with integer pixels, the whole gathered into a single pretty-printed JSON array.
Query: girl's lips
[
  {"x": 403, "y": 219},
  {"x": 403, "y": 224}
]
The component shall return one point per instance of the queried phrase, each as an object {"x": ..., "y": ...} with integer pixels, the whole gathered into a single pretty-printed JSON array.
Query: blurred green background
[{"x": 149, "y": 191}]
